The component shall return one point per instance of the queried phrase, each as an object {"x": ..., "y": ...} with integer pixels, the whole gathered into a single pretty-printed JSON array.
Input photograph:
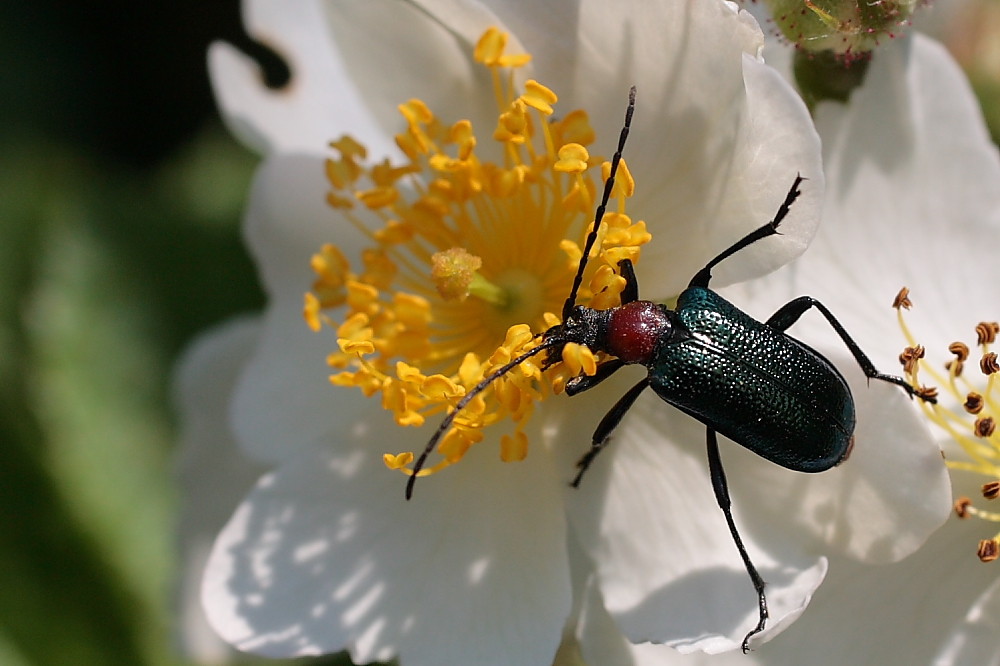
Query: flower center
[
  {"x": 967, "y": 409},
  {"x": 469, "y": 258}
]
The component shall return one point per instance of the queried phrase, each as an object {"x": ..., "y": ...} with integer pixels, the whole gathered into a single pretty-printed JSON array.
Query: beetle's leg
[
  {"x": 631, "y": 292},
  {"x": 607, "y": 426},
  {"x": 790, "y": 312},
  {"x": 584, "y": 382},
  {"x": 703, "y": 276},
  {"x": 722, "y": 496}
]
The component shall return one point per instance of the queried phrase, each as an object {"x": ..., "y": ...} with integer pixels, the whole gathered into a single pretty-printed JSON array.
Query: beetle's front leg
[
  {"x": 583, "y": 383},
  {"x": 722, "y": 497},
  {"x": 607, "y": 426},
  {"x": 630, "y": 293}
]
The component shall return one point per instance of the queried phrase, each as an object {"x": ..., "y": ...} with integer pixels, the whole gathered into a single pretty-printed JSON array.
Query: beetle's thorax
[
  {"x": 635, "y": 330},
  {"x": 632, "y": 332}
]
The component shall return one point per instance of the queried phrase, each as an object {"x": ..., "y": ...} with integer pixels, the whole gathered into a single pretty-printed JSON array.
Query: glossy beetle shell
[{"x": 754, "y": 384}]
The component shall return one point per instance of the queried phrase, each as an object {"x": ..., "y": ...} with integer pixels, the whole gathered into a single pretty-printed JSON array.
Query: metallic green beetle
[{"x": 740, "y": 377}]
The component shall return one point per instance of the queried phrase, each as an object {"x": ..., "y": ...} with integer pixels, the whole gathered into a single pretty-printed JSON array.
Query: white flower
[
  {"x": 912, "y": 200},
  {"x": 492, "y": 562}
]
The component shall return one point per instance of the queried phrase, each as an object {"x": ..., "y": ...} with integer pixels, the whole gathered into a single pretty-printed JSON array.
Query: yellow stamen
[
  {"x": 967, "y": 409},
  {"x": 467, "y": 253}
]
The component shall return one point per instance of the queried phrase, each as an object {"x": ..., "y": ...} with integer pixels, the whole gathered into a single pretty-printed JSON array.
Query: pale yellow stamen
[{"x": 967, "y": 409}]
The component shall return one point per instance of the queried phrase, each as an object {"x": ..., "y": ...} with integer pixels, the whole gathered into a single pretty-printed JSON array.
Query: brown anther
[
  {"x": 988, "y": 550},
  {"x": 986, "y": 332},
  {"x": 961, "y": 507},
  {"x": 991, "y": 490},
  {"x": 954, "y": 367},
  {"x": 909, "y": 358},
  {"x": 974, "y": 403},
  {"x": 988, "y": 364},
  {"x": 984, "y": 426},
  {"x": 926, "y": 393},
  {"x": 902, "y": 299},
  {"x": 960, "y": 350}
]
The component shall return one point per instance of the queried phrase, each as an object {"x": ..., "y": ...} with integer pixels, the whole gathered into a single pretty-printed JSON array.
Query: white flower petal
[
  {"x": 907, "y": 204},
  {"x": 667, "y": 567},
  {"x": 972, "y": 640},
  {"x": 213, "y": 474},
  {"x": 712, "y": 162},
  {"x": 395, "y": 51},
  {"x": 319, "y": 104},
  {"x": 935, "y": 607},
  {"x": 707, "y": 148},
  {"x": 285, "y": 387},
  {"x": 879, "y": 505},
  {"x": 325, "y": 554}
]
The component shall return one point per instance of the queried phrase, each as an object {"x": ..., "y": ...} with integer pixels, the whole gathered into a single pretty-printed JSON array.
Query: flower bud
[{"x": 845, "y": 27}]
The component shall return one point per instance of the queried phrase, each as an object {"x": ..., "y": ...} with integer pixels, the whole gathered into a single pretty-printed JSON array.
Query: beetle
[{"x": 740, "y": 377}]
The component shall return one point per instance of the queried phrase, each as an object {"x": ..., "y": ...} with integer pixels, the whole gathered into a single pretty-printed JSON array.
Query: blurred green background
[{"x": 119, "y": 242}]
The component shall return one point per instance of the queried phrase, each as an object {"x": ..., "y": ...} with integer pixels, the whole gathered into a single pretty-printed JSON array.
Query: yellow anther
[
  {"x": 311, "y": 312},
  {"x": 411, "y": 310},
  {"x": 514, "y": 449},
  {"x": 356, "y": 347},
  {"x": 517, "y": 336},
  {"x": 572, "y": 159},
  {"x": 456, "y": 443},
  {"x": 607, "y": 287},
  {"x": 355, "y": 326},
  {"x": 385, "y": 174},
  {"x": 439, "y": 388},
  {"x": 397, "y": 461},
  {"x": 513, "y": 125},
  {"x": 409, "y": 374},
  {"x": 579, "y": 359},
  {"x": 341, "y": 173},
  {"x": 362, "y": 297},
  {"x": 330, "y": 266},
  {"x": 575, "y": 128},
  {"x": 416, "y": 112},
  {"x": 347, "y": 146},
  {"x": 395, "y": 232},
  {"x": 539, "y": 97},
  {"x": 490, "y": 47},
  {"x": 624, "y": 183},
  {"x": 490, "y": 51},
  {"x": 338, "y": 202},
  {"x": 615, "y": 255},
  {"x": 470, "y": 370},
  {"x": 378, "y": 197}
]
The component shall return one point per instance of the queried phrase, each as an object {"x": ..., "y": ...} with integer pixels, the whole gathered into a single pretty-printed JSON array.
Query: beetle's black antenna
[
  {"x": 567, "y": 308},
  {"x": 599, "y": 215},
  {"x": 466, "y": 399}
]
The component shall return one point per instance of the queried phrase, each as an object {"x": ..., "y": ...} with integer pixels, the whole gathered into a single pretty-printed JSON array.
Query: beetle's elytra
[{"x": 740, "y": 377}]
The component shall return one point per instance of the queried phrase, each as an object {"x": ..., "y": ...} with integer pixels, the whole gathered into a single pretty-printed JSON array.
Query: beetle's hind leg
[
  {"x": 606, "y": 427},
  {"x": 790, "y": 312},
  {"x": 721, "y": 489}
]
